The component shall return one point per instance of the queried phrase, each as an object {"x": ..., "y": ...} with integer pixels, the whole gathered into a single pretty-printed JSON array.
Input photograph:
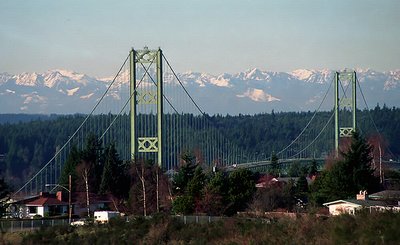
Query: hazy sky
[{"x": 94, "y": 36}]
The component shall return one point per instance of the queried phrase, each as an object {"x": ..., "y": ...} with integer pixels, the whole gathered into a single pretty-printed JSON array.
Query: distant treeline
[
  {"x": 29, "y": 141},
  {"x": 20, "y": 118}
]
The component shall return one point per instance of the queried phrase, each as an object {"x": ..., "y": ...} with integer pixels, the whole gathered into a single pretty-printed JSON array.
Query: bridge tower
[
  {"x": 146, "y": 142},
  {"x": 342, "y": 101}
]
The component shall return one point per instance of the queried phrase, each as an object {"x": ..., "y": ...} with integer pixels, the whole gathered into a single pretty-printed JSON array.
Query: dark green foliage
[
  {"x": 294, "y": 169},
  {"x": 4, "y": 196},
  {"x": 275, "y": 167},
  {"x": 218, "y": 183},
  {"x": 241, "y": 189},
  {"x": 302, "y": 189},
  {"x": 114, "y": 177},
  {"x": 106, "y": 172},
  {"x": 21, "y": 118},
  {"x": 289, "y": 194},
  {"x": 188, "y": 184},
  {"x": 183, "y": 204},
  {"x": 72, "y": 162},
  {"x": 185, "y": 173},
  {"x": 313, "y": 168},
  {"x": 302, "y": 185},
  {"x": 214, "y": 195},
  {"x": 347, "y": 176},
  {"x": 92, "y": 158},
  {"x": 30, "y": 144},
  {"x": 196, "y": 184},
  {"x": 358, "y": 160}
]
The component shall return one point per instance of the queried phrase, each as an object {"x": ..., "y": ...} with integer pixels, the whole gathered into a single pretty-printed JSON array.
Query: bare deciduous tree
[{"x": 83, "y": 170}]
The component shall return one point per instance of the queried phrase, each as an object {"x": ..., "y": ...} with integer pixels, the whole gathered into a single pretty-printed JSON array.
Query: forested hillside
[
  {"x": 26, "y": 146},
  {"x": 17, "y": 118}
]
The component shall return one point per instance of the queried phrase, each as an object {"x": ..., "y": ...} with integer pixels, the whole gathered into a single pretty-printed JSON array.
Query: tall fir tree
[
  {"x": 349, "y": 175},
  {"x": 71, "y": 163},
  {"x": 92, "y": 160},
  {"x": 275, "y": 168},
  {"x": 114, "y": 177}
]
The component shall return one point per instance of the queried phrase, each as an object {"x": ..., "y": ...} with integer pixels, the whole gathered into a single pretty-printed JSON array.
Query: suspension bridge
[{"x": 148, "y": 113}]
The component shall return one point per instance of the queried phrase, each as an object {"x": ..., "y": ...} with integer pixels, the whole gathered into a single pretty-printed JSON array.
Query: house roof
[
  {"x": 364, "y": 203},
  {"x": 385, "y": 195},
  {"x": 45, "y": 201},
  {"x": 51, "y": 199},
  {"x": 295, "y": 179}
]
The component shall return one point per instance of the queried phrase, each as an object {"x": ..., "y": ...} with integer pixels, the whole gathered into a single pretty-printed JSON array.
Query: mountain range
[{"x": 251, "y": 91}]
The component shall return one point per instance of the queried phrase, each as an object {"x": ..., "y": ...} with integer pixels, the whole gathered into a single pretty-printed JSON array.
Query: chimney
[
  {"x": 59, "y": 195},
  {"x": 44, "y": 194},
  {"x": 362, "y": 196}
]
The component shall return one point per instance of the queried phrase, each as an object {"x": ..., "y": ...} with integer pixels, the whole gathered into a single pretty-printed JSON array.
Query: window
[{"x": 32, "y": 210}]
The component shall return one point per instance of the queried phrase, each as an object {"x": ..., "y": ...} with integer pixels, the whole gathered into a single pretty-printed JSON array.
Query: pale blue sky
[{"x": 93, "y": 36}]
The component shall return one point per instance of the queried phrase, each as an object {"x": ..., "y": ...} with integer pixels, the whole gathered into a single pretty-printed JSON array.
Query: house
[
  {"x": 362, "y": 201},
  {"x": 44, "y": 204},
  {"x": 389, "y": 196},
  {"x": 96, "y": 203},
  {"x": 48, "y": 204},
  {"x": 268, "y": 180}
]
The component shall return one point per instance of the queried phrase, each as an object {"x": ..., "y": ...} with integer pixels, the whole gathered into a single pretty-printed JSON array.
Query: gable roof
[
  {"x": 45, "y": 201},
  {"x": 385, "y": 195},
  {"x": 363, "y": 203}
]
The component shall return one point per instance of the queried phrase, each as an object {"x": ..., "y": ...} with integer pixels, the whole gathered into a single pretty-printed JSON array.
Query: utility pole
[
  {"x": 69, "y": 199},
  {"x": 380, "y": 164}
]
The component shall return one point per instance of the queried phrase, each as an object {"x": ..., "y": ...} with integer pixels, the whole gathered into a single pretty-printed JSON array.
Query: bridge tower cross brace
[
  {"x": 148, "y": 144},
  {"x": 351, "y": 103}
]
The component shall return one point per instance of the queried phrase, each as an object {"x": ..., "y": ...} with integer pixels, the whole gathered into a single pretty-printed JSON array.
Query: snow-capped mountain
[{"x": 250, "y": 91}]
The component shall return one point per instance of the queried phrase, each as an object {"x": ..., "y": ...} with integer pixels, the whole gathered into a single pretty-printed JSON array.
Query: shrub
[{"x": 183, "y": 205}]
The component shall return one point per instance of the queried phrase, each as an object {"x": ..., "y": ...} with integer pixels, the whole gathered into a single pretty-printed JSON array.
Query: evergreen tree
[
  {"x": 313, "y": 168},
  {"x": 275, "y": 168},
  {"x": 183, "y": 205},
  {"x": 71, "y": 163},
  {"x": 113, "y": 178},
  {"x": 196, "y": 184},
  {"x": 241, "y": 189},
  {"x": 302, "y": 185},
  {"x": 349, "y": 175},
  {"x": 92, "y": 161},
  {"x": 302, "y": 188},
  {"x": 218, "y": 183},
  {"x": 214, "y": 195},
  {"x": 294, "y": 169},
  {"x": 358, "y": 159},
  {"x": 185, "y": 173}
]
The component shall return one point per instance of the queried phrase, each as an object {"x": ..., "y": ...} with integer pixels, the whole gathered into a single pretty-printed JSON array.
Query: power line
[{"x": 369, "y": 113}]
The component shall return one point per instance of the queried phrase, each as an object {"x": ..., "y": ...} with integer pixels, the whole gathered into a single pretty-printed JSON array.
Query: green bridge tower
[
  {"x": 148, "y": 61},
  {"x": 342, "y": 101}
]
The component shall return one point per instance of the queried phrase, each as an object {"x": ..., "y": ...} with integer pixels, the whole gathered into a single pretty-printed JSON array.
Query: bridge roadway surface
[{"x": 395, "y": 165}]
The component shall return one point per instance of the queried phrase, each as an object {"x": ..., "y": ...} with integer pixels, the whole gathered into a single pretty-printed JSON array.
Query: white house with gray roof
[{"x": 350, "y": 206}]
